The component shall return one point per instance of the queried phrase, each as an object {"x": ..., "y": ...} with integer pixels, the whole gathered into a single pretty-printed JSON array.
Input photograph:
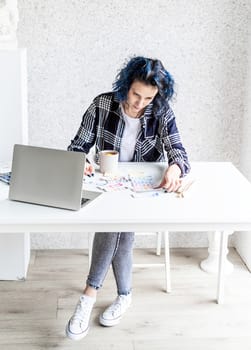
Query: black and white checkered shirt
[{"x": 103, "y": 124}]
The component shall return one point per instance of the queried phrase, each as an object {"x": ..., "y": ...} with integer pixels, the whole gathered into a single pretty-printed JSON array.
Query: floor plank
[{"x": 34, "y": 312}]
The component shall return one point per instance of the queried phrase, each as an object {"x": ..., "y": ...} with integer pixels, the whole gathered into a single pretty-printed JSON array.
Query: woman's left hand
[{"x": 171, "y": 180}]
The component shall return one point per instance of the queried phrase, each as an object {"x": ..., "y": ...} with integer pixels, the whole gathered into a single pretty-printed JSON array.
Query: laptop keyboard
[
  {"x": 5, "y": 177},
  {"x": 84, "y": 200}
]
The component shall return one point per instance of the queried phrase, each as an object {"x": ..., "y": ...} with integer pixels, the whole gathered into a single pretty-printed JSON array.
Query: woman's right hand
[{"x": 89, "y": 169}]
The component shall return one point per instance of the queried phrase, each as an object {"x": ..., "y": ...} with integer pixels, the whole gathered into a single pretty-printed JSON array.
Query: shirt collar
[{"x": 148, "y": 122}]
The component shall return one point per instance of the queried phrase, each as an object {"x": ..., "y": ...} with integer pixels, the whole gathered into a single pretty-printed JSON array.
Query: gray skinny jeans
[{"x": 114, "y": 248}]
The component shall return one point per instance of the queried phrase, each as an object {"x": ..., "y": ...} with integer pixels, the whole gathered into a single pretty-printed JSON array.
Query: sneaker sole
[
  {"x": 109, "y": 323},
  {"x": 74, "y": 336}
]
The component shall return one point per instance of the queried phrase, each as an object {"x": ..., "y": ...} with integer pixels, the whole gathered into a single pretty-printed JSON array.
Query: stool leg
[
  {"x": 90, "y": 242},
  {"x": 167, "y": 261},
  {"x": 159, "y": 238}
]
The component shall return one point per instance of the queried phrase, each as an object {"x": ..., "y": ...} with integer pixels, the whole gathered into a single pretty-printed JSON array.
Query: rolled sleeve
[
  {"x": 86, "y": 135},
  {"x": 175, "y": 151}
]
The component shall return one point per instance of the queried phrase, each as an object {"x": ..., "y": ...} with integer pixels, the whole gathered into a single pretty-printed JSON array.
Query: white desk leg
[
  {"x": 167, "y": 261},
  {"x": 211, "y": 264},
  {"x": 221, "y": 267},
  {"x": 14, "y": 255}
]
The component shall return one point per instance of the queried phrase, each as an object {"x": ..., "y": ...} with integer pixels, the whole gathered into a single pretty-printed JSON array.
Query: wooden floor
[{"x": 34, "y": 312}]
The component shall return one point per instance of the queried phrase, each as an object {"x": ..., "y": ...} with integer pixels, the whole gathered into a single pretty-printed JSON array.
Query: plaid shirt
[{"x": 103, "y": 125}]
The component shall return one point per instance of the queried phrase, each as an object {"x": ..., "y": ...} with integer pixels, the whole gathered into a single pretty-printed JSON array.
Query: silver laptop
[{"x": 49, "y": 177}]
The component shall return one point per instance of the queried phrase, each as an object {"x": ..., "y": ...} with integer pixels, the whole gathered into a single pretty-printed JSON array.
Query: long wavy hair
[{"x": 149, "y": 71}]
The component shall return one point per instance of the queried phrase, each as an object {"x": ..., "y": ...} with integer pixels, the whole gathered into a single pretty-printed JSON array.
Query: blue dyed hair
[{"x": 149, "y": 71}]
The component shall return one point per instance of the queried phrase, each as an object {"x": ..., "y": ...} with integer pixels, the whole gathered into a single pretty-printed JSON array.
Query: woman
[{"x": 136, "y": 120}]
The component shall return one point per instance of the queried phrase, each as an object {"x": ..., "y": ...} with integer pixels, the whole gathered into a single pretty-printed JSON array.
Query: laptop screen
[{"x": 47, "y": 176}]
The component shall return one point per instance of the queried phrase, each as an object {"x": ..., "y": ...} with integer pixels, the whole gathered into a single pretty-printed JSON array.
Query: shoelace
[
  {"x": 116, "y": 306},
  {"x": 82, "y": 311}
]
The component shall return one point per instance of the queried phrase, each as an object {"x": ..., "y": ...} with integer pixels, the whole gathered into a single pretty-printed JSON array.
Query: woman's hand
[
  {"x": 171, "y": 180},
  {"x": 89, "y": 169}
]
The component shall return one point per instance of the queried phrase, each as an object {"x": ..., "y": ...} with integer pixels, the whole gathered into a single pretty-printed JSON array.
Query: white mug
[{"x": 108, "y": 161}]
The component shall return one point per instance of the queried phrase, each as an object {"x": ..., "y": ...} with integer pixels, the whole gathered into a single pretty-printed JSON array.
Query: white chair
[{"x": 158, "y": 252}]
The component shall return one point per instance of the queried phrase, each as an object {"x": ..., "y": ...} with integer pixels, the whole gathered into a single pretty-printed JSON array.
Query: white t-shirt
[{"x": 129, "y": 138}]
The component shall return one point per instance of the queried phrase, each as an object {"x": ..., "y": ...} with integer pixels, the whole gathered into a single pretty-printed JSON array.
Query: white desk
[{"x": 219, "y": 200}]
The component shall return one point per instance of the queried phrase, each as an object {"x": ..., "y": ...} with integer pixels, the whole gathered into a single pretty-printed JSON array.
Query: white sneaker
[
  {"x": 78, "y": 325},
  {"x": 113, "y": 314}
]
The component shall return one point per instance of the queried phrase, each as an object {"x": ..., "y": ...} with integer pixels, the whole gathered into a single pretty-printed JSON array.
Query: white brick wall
[{"x": 76, "y": 47}]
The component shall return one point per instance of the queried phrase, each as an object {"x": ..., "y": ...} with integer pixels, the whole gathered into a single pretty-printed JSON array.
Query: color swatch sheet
[{"x": 136, "y": 182}]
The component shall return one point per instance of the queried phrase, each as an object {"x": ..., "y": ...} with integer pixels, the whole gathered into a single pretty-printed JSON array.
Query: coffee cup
[{"x": 108, "y": 160}]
